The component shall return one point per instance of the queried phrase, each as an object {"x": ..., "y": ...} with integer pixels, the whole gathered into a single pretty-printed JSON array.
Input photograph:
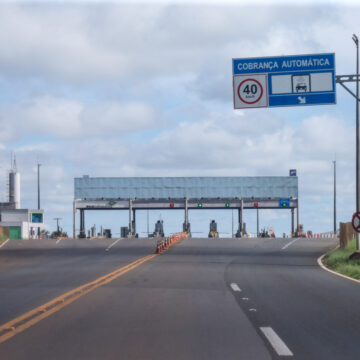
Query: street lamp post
[
  {"x": 57, "y": 224},
  {"x": 38, "y": 188},
  {"x": 356, "y": 41},
  {"x": 334, "y": 196}
]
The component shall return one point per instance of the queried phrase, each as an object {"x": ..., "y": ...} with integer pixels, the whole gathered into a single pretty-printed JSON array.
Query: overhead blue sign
[
  {"x": 284, "y": 202},
  {"x": 284, "y": 81},
  {"x": 292, "y": 172},
  {"x": 37, "y": 218}
]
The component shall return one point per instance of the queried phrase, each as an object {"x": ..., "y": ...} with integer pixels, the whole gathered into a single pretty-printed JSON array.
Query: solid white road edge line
[
  {"x": 290, "y": 243},
  {"x": 275, "y": 341},
  {"x": 235, "y": 287},
  {"x": 320, "y": 263},
  {"x": 57, "y": 241},
  {"x": 110, "y": 246},
  {"x": 4, "y": 243}
]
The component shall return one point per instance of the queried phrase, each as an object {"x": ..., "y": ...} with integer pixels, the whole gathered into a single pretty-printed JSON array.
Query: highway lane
[
  {"x": 314, "y": 312},
  {"x": 183, "y": 305},
  {"x": 33, "y": 272}
]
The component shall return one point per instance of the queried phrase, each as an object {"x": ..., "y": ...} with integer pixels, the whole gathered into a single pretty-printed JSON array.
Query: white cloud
[
  {"x": 66, "y": 119},
  {"x": 80, "y": 43}
]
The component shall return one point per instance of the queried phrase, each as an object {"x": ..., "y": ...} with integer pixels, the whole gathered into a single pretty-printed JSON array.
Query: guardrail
[{"x": 318, "y": 235}]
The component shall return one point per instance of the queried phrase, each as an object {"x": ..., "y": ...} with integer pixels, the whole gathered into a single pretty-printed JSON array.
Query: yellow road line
[{"x": 22, "y": 322}]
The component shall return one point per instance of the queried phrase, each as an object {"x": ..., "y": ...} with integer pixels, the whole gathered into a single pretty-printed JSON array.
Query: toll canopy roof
[{"x": 96, "y": 188}]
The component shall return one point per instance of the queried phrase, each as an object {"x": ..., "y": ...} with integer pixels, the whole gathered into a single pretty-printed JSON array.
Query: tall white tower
[{"x": 14, "y": 185}]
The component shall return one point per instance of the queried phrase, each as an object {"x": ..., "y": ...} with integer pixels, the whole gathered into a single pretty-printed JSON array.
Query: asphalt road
[{"x": 202, "y": 299}]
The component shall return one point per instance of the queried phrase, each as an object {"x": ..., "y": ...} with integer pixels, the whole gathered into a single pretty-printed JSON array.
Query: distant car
[{"x": 301, "y": 86}]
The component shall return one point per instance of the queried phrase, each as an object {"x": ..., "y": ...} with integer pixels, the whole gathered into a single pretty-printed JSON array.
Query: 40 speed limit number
[{"x": 250, "y": 91}]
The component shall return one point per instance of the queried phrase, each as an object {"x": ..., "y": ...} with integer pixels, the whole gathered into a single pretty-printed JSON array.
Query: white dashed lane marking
[
  {"x": 235, "y": 287},
  {"x": 275, "y": 341}
]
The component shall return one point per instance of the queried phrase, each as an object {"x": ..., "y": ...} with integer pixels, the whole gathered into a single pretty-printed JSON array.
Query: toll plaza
[{"x": 149, "y": 193}]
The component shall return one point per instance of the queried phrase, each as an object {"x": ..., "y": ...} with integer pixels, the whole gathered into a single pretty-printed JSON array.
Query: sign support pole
[
  {"x": 334, "y": 196},
  {"x": 356, "y": 40},
  {"x": 341, "y": 80}
]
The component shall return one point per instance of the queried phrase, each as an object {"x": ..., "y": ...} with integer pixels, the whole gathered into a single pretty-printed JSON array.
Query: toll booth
[
  {"x": 107, "y": 233},
  {"x": 159, "y": 229},
  {"x": 213, "y": 233},
  {"x": 124, "y": 231}
]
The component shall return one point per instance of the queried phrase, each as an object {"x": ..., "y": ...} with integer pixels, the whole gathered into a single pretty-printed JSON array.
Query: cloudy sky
[{"x": 145, "y": 89}]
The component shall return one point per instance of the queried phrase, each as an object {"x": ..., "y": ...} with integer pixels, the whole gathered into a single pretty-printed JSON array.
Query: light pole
[
  {"x": 38, "y": 184},
  {"x": 356, "y": 41},
  {"x": 57, "y": 224},
  {"x": 334, "y": 162},
  {"x": 147, "y": 222}
]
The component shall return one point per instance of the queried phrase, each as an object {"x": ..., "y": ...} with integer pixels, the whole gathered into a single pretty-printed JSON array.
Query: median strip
[
  {"x": 21, "y": 323},
  {"x": 164, "y": 244}
]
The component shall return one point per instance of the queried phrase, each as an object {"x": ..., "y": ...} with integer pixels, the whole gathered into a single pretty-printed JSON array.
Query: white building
[{"x": 22, "y": 223}]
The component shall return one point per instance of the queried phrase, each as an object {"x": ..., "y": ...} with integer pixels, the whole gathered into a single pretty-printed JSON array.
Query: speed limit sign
[
  {"x": 250, "y": 91},
  {"x": 356, "y": 221}
]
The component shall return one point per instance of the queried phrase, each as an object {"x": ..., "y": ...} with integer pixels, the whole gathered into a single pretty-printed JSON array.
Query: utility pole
[
  {"x": 356, "y": 41},
  {"x": 147, "y": 222},
  {"x": 38, "y": 184},
  {"x": 334, "y": 162},
  {"x": 57, "y": 224}
]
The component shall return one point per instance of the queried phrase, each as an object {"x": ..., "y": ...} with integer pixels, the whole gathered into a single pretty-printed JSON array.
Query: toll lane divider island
[
  {"x": 163, "y": 244},
  {"x": 22, "y": 322}
]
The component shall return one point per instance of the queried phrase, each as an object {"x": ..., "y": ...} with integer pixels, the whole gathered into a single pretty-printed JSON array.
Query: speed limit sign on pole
[
  {"x": 356, "y": 221},
  {"x": 250, "y": 91}
]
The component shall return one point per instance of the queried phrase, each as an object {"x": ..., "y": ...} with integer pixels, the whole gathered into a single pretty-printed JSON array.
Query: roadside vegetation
[
  {"x": 2, "y": 239},
  {"x": 338, "y": 260}
]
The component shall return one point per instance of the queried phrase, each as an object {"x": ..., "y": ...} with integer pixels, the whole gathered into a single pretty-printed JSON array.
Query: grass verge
[
  {"x": 2, "y": 239},
  {"x": 338, "y": 260}
]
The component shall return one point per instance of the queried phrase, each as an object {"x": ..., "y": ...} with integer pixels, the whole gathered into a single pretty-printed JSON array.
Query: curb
[{"x": 320, "y": 263}]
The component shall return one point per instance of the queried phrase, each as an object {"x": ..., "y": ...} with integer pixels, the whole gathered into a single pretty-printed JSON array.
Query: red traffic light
[
  {"x": 256, "y": 204},
  {"x": 172, "y": 205}
]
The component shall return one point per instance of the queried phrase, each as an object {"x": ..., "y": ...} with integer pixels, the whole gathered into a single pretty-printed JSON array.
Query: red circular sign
[
  {"x": 250, "y": 91},
  {"x": 356, "y": 221}
]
